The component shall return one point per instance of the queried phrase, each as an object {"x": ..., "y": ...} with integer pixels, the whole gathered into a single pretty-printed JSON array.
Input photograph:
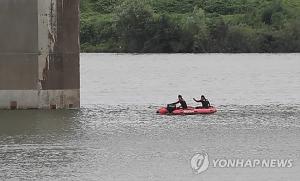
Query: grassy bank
[{"x": 198, "y": 26}]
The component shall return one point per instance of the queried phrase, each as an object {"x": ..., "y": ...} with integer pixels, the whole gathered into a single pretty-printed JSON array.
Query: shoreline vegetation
[{"x": 190, "y": 26}]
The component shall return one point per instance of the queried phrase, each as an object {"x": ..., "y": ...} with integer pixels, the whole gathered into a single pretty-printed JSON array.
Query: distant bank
[{"x": 190, "y": 26}]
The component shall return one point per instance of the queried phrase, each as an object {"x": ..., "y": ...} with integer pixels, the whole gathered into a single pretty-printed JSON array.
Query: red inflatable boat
[{"x": 189, "y": 111}]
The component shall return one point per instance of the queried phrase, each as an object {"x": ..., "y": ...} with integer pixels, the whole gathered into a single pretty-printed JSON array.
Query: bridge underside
[{"x": 39, "y": 54}]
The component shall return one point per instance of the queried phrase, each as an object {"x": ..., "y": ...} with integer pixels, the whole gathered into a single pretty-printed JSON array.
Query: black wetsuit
[
  {"x": 183, "y": 104},
  {"x": 205, "y": 103}
]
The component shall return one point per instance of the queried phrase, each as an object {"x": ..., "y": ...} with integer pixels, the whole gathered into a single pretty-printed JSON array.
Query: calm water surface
[{"x": 117, "y": 135}]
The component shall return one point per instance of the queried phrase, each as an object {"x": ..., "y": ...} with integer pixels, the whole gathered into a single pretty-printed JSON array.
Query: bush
[
  {"x": 241, "y": 40},
  {"x": 134, "y": 20},
  {"x": 104, "y": 6}
]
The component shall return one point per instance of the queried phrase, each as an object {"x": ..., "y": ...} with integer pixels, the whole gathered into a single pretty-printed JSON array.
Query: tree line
[{"x": 190, "y": 26}]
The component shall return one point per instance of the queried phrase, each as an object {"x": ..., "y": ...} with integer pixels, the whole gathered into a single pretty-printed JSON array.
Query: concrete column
[{"x": 39, "y": 54}]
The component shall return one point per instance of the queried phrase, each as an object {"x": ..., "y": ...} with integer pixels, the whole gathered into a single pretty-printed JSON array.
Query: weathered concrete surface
[
  {"x": 18, "y": 26},
  {"x": 39, "y": 54},
  {"x": 18, "y": 44}
]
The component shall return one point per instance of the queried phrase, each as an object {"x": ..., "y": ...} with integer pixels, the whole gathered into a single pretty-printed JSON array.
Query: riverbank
[{"x": 190, "y": 26}]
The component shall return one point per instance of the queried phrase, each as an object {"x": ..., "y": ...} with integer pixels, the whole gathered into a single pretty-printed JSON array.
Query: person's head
[
  {"x": 179, "y": 97},
  {"x": 202, "y": 97}
]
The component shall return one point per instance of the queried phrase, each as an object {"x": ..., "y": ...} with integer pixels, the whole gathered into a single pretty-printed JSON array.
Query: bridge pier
[{"x": 39, "y": 54}]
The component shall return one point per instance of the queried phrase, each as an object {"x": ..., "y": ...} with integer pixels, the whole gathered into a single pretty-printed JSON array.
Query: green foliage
[
  {"x": 167, "y": 37},
  {"x": 104, "y": 6},
  {"x": 133, "y": 22},
  {"x": 172, "y": 26},
  {"x": 174, "y": 6},
  {"x": 197, "y": 27},
  {"x": 273, "y": 13},
  {"x": 241, "y": 39}
]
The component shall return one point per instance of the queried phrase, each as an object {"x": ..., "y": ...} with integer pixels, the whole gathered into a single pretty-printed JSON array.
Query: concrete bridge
[{"x": 39, "y": 54}]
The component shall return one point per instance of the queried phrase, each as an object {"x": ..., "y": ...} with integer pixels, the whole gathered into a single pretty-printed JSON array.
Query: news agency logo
[{"x": 200, "y": 162}]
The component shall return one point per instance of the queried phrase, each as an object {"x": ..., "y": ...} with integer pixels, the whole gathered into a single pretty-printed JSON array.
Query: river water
[{"x": 116, "y": 135}]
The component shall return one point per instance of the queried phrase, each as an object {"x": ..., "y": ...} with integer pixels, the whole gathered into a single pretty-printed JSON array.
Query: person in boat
[
  {"x": 182, "y": 102},
  {"x": 204, "y": 101}
]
